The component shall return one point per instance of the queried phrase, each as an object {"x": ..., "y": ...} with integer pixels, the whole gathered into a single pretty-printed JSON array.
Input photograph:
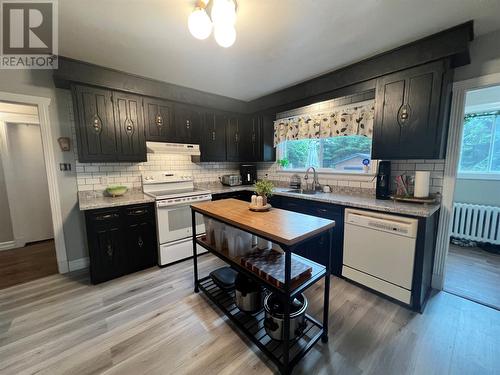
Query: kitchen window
[
  {"x": 480, "y": 151},
  {"x": 344, "y": 154}
]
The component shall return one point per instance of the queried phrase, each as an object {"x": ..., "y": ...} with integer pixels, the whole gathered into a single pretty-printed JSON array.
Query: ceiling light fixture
[{"x": 222, "y": 19}]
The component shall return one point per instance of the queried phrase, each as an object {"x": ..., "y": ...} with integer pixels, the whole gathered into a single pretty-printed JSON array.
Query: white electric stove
[{"x": 174, "y": 194}]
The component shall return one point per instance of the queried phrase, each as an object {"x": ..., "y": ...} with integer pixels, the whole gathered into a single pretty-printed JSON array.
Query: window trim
[{"x": 478, "y": 176}]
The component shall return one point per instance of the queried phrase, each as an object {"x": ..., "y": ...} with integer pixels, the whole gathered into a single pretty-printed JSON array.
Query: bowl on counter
[{"x": 116, "y": 190}]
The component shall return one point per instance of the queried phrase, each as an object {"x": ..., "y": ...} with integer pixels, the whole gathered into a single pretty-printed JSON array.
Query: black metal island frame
[{"x": 289, "y": 230}]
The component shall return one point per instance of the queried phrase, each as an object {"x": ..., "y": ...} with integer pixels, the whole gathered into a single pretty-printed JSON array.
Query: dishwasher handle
[{"x": 386, "y": 223}]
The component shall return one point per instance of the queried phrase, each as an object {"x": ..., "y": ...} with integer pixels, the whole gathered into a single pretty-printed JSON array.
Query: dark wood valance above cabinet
[{"x": 411, "y": 114}]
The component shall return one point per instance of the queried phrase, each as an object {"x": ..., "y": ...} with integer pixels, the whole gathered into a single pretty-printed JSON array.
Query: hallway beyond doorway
[
  {"x": 474, "y": 274},
  {"x": 34, "y": 261}
]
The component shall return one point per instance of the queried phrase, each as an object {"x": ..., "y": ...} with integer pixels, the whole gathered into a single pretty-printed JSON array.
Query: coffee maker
[
  {"x": 384, "y": 180},
  {"x": 248, "y": 174}
]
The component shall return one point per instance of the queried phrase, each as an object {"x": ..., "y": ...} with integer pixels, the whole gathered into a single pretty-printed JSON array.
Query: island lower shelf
[
  {"x": 318, "y": 271},
  {"x": 253, "y": 326}
]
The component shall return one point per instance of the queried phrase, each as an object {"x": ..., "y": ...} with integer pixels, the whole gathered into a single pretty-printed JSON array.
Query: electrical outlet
[{"x": 64, "y": 167}]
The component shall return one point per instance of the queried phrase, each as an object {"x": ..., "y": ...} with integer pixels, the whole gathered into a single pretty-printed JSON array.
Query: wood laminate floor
[
  {"x": 151, "y": 322},
  {"x": 27, "y": 263},
  {"x": 473, "y": 273}
]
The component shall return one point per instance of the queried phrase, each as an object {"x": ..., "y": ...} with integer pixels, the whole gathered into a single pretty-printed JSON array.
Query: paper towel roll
[{"x": 422, "y": 184}]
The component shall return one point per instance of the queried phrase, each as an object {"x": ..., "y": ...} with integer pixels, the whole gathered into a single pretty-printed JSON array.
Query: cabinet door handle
[
  {"x": 129, "y": 126},
  {"x": 106, "y": 217},
  {"x": 188, "y": 124},
  {"x": 109, "y": 250},
  {"x": 159, "y": 120},
  {"x": 213, "y": 136},
  {"x": 236, "y": 137},
  {"x": 404, "y": 114},
  {"x": 137, "y": 212},
  {"x": 140, "y": 242},
  {"x": 322, "y": 210},
  {"x": 96, "y": 124}
]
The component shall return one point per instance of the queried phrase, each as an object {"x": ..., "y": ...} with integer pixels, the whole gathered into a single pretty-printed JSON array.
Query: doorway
[
  {"x": 473, "y": 261},
  {"x": 26, "y": 228}
]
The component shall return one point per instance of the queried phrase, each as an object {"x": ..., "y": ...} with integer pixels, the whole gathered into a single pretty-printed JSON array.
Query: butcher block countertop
[{"x": 280, "y": 226}]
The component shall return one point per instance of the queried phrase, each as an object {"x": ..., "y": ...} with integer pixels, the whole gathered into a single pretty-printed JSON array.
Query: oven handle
[{"x": 163, "y": 205}]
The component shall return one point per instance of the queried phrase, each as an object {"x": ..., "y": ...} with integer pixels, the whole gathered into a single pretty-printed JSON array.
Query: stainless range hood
[{"x": 173, "y": 148}]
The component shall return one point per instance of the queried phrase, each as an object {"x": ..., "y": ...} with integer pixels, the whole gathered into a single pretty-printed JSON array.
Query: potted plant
[{"x": 264, "y": 188}]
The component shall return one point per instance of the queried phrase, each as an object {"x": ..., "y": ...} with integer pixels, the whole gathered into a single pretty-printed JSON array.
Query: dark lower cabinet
[
  {"x": 243, "y": 195},
  {"x": 317, "y": 248},
  {"x": 120, "y": 240}
]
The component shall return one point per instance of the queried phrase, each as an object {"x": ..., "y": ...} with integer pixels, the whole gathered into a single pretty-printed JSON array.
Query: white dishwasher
[{"x": 379, "y": 252}]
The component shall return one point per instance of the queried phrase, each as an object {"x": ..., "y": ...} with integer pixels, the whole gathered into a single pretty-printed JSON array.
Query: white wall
[
  {"x": 485, "y": 192},
  {"x": 485, "y": 57},
  {"x": 5, "y": 221},
  {"x": 29, "y": 193},
  {"x": 40, "y": 83}
]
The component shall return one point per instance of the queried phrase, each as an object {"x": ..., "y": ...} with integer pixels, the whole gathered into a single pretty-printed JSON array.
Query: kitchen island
[{"x": 289, "y": 230}]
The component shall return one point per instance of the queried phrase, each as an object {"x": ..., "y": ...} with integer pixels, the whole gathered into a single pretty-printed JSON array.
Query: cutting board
[{"x": 270, "y": 266}]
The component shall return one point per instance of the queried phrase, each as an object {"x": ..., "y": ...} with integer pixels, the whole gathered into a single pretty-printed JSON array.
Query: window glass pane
[
  {"x": 476, "y": 143},
  {"x": 495, "y": 160},
  {"x": 343, "y": 154},
  {"x": 301, "y": 153},
  {"x": 346, "y": 153}
]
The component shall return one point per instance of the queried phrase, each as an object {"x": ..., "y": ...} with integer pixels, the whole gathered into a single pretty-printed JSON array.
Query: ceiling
[{"x": 279, "y": 42}]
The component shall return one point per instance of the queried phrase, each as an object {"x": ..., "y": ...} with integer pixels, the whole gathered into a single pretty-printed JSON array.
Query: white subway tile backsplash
[{"x": 424, "y": 167}]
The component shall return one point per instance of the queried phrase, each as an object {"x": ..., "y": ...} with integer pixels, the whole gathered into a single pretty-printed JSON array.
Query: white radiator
[{"x": 476, "y": 222}]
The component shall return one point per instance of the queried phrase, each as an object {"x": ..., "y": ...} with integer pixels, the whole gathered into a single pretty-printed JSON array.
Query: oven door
[{"x": 174, "y": 222}]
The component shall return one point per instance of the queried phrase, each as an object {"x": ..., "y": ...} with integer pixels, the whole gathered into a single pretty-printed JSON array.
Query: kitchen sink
[{"x": 301, "y": 191}]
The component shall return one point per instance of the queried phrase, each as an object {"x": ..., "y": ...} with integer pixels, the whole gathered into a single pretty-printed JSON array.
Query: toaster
[{"x": 230, "y": 180}]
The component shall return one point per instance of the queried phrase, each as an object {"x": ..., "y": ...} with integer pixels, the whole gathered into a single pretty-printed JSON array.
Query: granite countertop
[
  {"x": 92, "y": 200},
  {"x": 351, "y": 200}
]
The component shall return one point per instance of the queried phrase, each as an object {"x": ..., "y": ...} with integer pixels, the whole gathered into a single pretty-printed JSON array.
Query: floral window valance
[{"x": 353, "y": 120}]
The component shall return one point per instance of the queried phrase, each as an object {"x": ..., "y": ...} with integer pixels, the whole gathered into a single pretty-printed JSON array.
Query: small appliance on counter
[
  {"x": 248, "y": 173},
  {"x": 230, "y": 180},
  {"x": 295, "y": 182},
  {"x": 383, "y": 190}
]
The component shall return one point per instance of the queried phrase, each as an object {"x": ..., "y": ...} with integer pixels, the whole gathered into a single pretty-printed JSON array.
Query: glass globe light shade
[
  {"x": 225, "y": 35},
  {"x": 223, "y": 12},
  {"x": 199, "y": 24}
]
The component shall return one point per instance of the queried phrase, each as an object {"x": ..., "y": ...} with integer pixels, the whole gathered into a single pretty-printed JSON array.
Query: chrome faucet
[{"x": 315, "y": 184}]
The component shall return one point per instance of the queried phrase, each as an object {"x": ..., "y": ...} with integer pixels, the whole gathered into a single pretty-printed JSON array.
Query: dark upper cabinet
[
  {"x": 232, "y": 138},
  {"x": 129, "y": 123},
  {"x": 411, "y": 113},
  {"x": 265, "y": 137},
  {"x": 242, "y": 133},
  {"x": 97, "y": 138},
  {"x": 188, "y": 123},
  {"x": 158, "y": 115},
  {"x": 213, "y": 137}
]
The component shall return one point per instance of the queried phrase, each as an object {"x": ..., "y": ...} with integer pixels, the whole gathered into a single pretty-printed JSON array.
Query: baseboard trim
[
  {"x": 78, "y": 264},
  {"x": 7, "y": 245}
]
